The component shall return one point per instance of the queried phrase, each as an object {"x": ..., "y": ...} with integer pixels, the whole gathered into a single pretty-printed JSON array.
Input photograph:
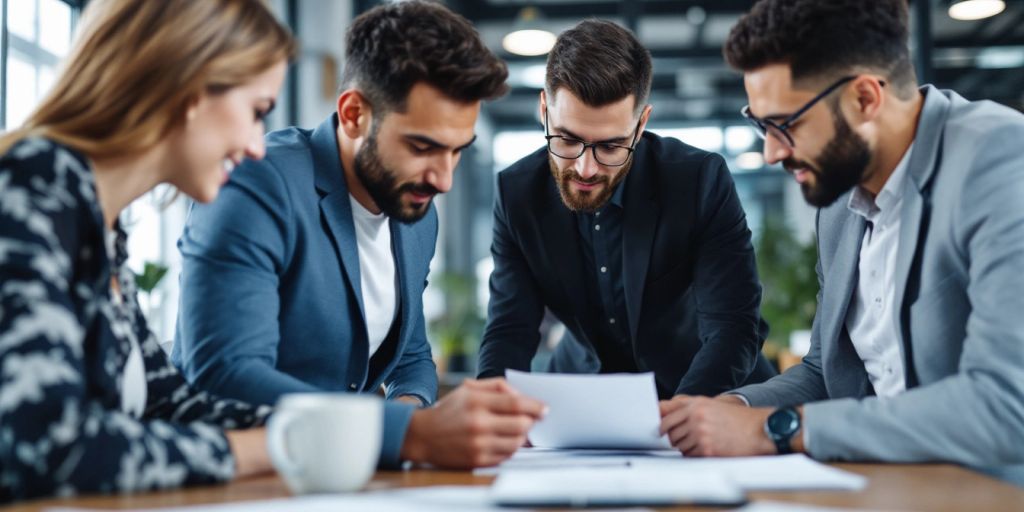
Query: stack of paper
[{"x": 621, "y": 486}]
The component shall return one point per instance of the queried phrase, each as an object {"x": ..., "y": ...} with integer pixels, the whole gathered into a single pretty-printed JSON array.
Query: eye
[
  {"x": 419, "y": 150},
  {"x": 259, "y": 114}
]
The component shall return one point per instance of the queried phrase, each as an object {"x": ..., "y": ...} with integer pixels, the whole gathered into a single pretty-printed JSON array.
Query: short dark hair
[
  {"x": 600, "y": 63},
  {"x": 825, "y": 39},
  {"x": 393, "y": 46}
]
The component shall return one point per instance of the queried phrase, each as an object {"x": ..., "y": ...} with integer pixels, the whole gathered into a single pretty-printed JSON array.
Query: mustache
[
  {"x": 791, "y": 165},
  {"x": 570, "y": 174},
  {"x": 419, "y": 188}
]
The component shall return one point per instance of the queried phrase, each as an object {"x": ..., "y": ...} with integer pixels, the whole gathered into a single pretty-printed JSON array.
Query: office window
[{"x": 38, "y": 37}]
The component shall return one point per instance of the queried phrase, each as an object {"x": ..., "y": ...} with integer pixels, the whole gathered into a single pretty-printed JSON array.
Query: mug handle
[{"x": 277, "y": 427}]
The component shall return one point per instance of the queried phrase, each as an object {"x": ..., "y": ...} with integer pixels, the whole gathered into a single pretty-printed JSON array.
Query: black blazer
[{"x": 689, "y": 276}]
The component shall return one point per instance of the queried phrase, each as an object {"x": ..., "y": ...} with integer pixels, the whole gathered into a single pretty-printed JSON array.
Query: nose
[
  {"x": 775, "y": 150},
  {"x": 442, "y": 172},
  {"x": 586, "y": 165},
  {"x": 255, "y": 148}
]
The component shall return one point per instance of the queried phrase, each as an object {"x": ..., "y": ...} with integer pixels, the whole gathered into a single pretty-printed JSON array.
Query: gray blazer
[{"x": 959, "y": 285}]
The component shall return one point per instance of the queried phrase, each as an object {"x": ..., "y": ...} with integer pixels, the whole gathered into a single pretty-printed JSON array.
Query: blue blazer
[{"x": 270, "y": 288}]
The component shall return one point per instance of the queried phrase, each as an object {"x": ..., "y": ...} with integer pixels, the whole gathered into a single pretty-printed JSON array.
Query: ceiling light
[
  {"x": 975, "y": 9},
  {"x": 527, "y": 37}
]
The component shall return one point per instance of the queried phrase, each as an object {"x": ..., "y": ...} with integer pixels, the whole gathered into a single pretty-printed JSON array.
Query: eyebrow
[
  {"x": 613, "y": 140},
  {"x": 423, "y": 139}
]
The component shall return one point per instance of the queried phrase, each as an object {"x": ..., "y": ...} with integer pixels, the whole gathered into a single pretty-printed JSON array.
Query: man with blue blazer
[
  {"x": 917, "y": 351},
  {"x": 637, "y": 243},
  {"x": 307, "y": 273}
]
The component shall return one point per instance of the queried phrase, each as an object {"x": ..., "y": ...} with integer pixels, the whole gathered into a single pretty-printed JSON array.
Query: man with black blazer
[{"x": 637, "y": 243}]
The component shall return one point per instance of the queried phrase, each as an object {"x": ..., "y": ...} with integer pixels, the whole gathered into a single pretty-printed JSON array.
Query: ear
[
  {"x": 192, "y": 107},
  {"x": 354, "y": 113},
  {"x": 542, "y": 106},
  {"x": 645, "y": 115},
  {"x": 868, "y": 98}
]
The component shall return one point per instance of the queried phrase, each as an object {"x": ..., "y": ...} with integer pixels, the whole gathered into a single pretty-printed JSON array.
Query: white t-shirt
[{"x": 376, "y": 272}]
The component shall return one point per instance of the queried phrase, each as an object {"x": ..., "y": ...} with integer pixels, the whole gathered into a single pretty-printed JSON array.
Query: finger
[
  {"x": 676, "y": 435},
  {"x": 514, "y": 405},
  {"x": 667, "y": 406},
  {"x": 509, "y": 425},
  {"x": 689, "y": 445},
  {"x": 505, "y": 446},
  {"x": 673, "y": 419},
  {"x": 493, "y": 384}
]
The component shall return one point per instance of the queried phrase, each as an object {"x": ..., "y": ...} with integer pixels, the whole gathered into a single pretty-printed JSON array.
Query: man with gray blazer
[{"x": 917, "y": 350}]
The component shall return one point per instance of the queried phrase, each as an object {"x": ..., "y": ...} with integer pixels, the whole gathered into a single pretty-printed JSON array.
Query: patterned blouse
[{"x": 64, "y": 345}]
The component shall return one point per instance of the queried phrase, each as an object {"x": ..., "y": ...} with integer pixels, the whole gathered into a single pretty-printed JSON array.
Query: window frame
[{"x": 35, "y": 53}]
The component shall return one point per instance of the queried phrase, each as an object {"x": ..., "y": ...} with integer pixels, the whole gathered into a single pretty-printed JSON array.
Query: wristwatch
[{"x": 780, "y": 427}]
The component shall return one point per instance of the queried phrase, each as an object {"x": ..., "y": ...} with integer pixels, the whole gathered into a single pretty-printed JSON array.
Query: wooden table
[{"x": 890, "y": 487}]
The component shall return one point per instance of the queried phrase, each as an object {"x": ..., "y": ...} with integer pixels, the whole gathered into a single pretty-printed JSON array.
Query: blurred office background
[{"x": 975, "y": 47}]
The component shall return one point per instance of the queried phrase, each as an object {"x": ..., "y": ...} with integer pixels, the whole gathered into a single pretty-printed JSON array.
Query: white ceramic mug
[{"x": 325, "y": 442}]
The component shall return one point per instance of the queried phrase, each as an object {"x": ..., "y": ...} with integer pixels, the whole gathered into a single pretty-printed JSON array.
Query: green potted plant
[
  {"x": 786, "y": 268},
  {"x": 457, "y": 331}
]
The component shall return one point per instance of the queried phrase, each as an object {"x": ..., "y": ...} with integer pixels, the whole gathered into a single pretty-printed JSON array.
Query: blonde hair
[{"x": 136, "y": 65}]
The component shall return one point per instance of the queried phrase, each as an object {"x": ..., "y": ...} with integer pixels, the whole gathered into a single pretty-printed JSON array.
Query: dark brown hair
[
  {"x": 393, "y": 46},
  {"x": 824, "y": 39},
  {"x": 600, "y": 63}
]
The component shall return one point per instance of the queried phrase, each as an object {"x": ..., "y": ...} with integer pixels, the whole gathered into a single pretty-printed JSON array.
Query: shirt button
[
  {"x": 352, "y": 386},
  {"x": 604, "y": 269},
  {"x": 611, "y": 320},
  {"x": 597, "y": 227}
]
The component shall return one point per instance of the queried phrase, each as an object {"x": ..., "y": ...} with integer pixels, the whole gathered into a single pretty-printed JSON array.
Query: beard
[
  {"x": 382, "y": 185},
  {"x": 586, "y": 200},
  {"x": 842, "y": 165}
]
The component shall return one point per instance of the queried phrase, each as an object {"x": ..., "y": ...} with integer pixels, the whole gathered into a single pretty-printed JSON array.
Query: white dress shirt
[
  {"x": 376, "y": 272},
  {"x": 872, "y": 319}
]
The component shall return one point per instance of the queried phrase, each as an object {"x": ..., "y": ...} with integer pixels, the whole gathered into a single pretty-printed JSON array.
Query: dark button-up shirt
[{"x": 601, "y": 237}]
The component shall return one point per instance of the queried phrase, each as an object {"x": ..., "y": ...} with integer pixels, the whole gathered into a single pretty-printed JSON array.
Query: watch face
[{"x": 784, "y": 422}]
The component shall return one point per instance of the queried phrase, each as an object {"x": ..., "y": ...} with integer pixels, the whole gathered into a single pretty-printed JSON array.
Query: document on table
[
  {"x": 615, "y": 411},
  {"x": 547, "y": 458},
  {"x": 623, "y": 486},
  {"x": 774, "y": 473}
]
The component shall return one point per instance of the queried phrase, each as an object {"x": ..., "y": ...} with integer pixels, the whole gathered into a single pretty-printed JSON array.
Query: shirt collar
[
  {"x": 864, "y": 205},
  {"x": 617, "y": 195}
]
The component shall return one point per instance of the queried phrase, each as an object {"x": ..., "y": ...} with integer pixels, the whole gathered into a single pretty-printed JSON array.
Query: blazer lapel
[
  {"x": 335, "y": 207},
  {"x": 405, "y": 248},
  {"x": 840, "y": 281},
  {"x": 923, "y": 161},
  {"x": 639, "y": 225}
]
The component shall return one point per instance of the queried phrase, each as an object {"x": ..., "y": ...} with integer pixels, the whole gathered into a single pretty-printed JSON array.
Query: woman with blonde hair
[{"x": 169, "y": 91}]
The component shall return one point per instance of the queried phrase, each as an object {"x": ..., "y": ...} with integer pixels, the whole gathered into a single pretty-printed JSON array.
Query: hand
[
  {"x": 249, "y": 448},
  {"x": 715, "y": 427},
  {"x": 481, "y": 423}
]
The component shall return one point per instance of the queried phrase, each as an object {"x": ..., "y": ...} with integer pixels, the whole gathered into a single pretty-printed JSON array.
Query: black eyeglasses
[
  {"x": 763, "y": 127},
  {"x": 611, "y": 155}
]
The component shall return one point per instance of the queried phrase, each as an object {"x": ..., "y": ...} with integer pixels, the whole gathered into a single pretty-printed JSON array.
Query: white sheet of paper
[
  {"x": 778, "y": 473},
  {"x": 627, "y": 485},
  {"x": 615, "y": 411},
  {"x": 547, "y": 458},
  {"x": 794, "y": 472}
]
